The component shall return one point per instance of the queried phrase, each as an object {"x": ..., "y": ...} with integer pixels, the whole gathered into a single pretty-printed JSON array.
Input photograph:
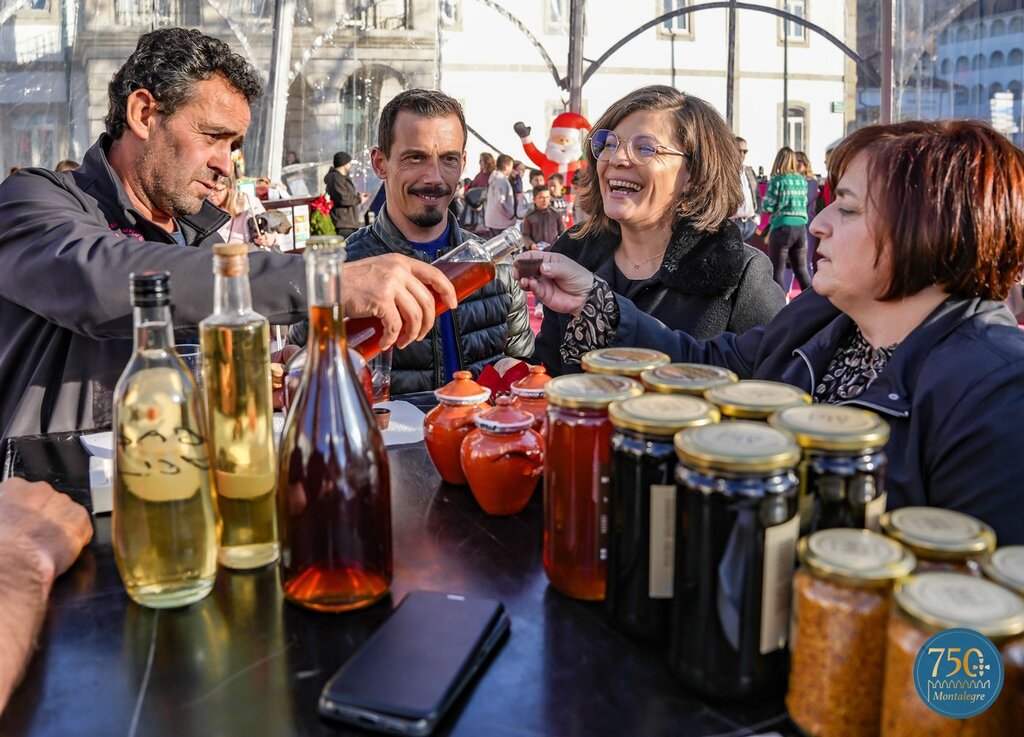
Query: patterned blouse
[{"x": 853, "y": 368}]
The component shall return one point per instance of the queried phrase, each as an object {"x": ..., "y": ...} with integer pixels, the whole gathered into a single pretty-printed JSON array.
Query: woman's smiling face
[{"x": 643, "y": 194}]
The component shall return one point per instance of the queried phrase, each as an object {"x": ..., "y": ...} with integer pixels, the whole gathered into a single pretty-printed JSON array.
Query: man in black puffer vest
[{"x": 420, "y": 156}]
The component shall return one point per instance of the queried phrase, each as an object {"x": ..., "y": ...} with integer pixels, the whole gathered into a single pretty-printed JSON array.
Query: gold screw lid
[
  {"x": 622, "y": 361},
  {"x": 936, "y": 533},
  {"x": 587, "y": 391},
  {"x": 661, "y": 414},
  {"x": 755, "y": 399},
  {"x": 686, "y": 378},
  {"x": 743, "y": 447},
  {"x": 1006, "y": 567},
  {"x": 942, "y": 600},
  {"x": 860, "y": 557},
  {"x": 832, "y": 427}
]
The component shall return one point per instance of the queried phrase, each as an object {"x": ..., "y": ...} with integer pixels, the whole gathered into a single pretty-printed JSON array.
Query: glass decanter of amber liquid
[
  {"x": 468, "y": 267},
  {"x": 334, "y": 497}
]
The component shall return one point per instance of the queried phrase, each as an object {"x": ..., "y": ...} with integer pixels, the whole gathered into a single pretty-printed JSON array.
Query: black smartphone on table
[{"x": 405, "y": 677}]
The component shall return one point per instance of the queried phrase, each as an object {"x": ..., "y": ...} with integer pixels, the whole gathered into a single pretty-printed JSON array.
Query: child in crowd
[
  {"x": 542, "y": 225},
  {"x": 556, "y": 183}
]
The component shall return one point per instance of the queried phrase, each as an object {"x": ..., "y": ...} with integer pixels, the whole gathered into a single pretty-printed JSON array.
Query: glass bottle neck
[
  {"x": 324, "y": 290},
  {"x": 153, "y": 328},
  {"x": 231, "y": 294}
]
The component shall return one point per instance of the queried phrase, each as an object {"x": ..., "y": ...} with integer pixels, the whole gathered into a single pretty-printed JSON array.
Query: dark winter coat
[{"x": 345, "y": 210}]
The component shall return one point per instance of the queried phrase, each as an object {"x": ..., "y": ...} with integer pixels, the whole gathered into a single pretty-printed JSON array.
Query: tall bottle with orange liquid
[{"x": 334, "y": 495}]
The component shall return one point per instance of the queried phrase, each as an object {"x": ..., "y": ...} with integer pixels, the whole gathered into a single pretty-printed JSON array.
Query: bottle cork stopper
[{"x": 230, "y": 259}]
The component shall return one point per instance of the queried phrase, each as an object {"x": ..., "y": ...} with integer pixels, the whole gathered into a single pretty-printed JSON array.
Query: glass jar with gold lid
[
  {"x": 629, "y": 362},
  {"x": 930, "y": 603},
  {"x": 736, "y": 531},
  {"x": 842, "y": 473},
  {"x": 942, "y": 540},
  {"x": 641, "y": 551},
  {"x": 686, "y": 378},
  {"x": 1005, "y": 566},
  {"x": 842, "y": 595},
  {"x": 577, "y": 480},
  {"x": 754, "y": 399}
]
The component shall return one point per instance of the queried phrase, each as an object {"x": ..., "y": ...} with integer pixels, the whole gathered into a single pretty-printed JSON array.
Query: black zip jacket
[
  {"x": 491, "y": 323},
  {"x": 67, "y": 245}
]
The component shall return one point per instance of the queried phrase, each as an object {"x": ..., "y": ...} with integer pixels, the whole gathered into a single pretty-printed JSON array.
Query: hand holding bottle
[
  {"x": 557, "y": 281},
  {"x": 398, "y": 290}
]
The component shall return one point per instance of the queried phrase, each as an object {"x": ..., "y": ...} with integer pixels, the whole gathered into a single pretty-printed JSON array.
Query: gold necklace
[{"x": 637, "y": 265}]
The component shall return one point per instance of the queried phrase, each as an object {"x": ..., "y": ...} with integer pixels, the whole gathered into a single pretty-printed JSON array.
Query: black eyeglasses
[{"x": 640, "y": 149}]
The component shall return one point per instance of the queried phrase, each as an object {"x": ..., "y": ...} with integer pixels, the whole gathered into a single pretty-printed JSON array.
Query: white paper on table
[
  {"x": 100, "y": 444},
  {"x": 101, "y": 484},
  {"x": 406, "y": 424}
]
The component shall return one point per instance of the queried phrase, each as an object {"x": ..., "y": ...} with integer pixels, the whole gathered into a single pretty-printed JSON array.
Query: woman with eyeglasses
[
  {"x": 659, "y": 190},
  {"x": 923, "y": 240}
]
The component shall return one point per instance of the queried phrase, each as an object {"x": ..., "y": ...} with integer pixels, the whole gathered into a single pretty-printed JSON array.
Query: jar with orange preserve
[
  {"x": 942, "y": 540},
  {"x": 755, "y": 399},
  {"x": 641, "y": 552},
  {"x": 686, "y": 378},
  {"x": 577, "y": 480},
  {"x": 629, "y": 362},
  {"x": 503, "y": 458},
  {"x": 528, "y": 395},
  {"x": 930, "y": 603},
  {"x": 448, "y": 424},
  {"x": 1006, "y": 567},
  {"x": 842, "y": 595}
]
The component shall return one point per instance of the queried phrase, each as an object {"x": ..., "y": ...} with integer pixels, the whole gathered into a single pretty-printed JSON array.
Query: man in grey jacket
[{"x": 178, "y": 107}]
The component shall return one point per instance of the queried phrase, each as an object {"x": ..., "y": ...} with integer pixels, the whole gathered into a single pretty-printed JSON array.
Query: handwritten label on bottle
[
  {"x": 662, "y": 541},
  {"x": 777, "y": 583}
]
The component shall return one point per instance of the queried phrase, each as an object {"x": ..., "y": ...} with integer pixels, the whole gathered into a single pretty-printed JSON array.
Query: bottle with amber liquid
[
  {"x": 334, "y": 493},
  {"x": 468, "y": 267},
  {"x": 164, "y": 524},
  {"x": 235, "y": 342}
]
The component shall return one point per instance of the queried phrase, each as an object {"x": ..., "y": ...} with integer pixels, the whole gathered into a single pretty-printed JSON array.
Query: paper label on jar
[
  {"x": 777, "y": 583},
  {"x": 873, "y": 512},
  {"x": 663, "y": 541}
]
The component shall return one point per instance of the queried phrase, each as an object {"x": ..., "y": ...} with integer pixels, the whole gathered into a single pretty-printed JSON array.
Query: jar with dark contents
[
  {"x": 942, "y": 540},
  {"x": 528, "y": 395},
  {"x": 686, "y": 378},
  {"x": 842, "y": 472},
  {"x": 937, "y": 601},
  {"x": 842, "y": 595},
  {"x": 629, "y": 362},
  {"x": 641, "y": 551},
  {"x": 736, "y": 532},
  {"x": 577, "y": 480},
  {"x": 755, "y": 399}
]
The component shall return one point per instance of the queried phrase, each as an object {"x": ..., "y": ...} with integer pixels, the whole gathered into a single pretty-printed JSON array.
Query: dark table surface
[{"x": 244, "y": 662}]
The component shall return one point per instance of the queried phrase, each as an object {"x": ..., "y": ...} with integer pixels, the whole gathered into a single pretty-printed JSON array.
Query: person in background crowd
[
  {"x": 556, "y": 185},
  {"x": 291, "y": 158},
  {"x": 66, "y": 165},
  {"x": 524, "y": 203},
  {"x": 786, "y": 201},
  {"x": 420, "y": 154},
  {"x": 500, "y": 210},
  {"x": 516, "y": 178},
  {"x": 542, "y": 226},
  {"x": 804, "y": 167},
  {"x": 660, "y": 187},
  {"x": 342, "y": 191},
  {"x": 925, "y": 236},
  {"x": 43, "y": 532},
  {"x": 748, "y": 214},
  {"x": 483, "y": 177},
  {"x": 242, "y": 209},
  {"x": 178, "y": 108}
]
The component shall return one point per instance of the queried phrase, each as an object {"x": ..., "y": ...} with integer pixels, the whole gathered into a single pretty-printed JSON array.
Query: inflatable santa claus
[{"x": 564, "y": 151}]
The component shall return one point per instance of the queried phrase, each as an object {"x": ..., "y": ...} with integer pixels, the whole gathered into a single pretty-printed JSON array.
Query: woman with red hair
[{"x": 923, "y": 240}]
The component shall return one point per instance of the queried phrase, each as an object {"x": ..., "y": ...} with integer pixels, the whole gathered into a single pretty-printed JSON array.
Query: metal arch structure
[
  {"x": 862, "y": 63},
  {"x": 559, "y": 80}
]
